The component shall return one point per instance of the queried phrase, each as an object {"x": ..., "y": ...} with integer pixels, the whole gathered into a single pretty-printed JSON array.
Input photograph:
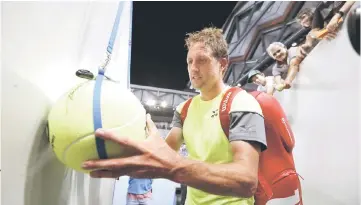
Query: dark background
[{"x": 158, "y": 55}]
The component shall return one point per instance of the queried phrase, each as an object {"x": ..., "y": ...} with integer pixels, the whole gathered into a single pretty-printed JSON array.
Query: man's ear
[{"x": 224, "y": 64}]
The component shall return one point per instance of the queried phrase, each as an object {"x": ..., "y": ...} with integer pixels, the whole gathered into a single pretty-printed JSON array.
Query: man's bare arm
[
  {"x": 238, "y": 178},
  {"x": 174, "y": 138},
  {"x": 293, "y": 70},
  {"x": 347, "y": 6},
  {"x": 270, "y": 89},
  {"x": 278, "y": 79},
  {"x": 334, "y": 25}
]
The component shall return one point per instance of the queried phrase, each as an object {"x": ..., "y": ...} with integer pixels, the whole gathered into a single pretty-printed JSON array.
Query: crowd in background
[{"x": 324, "y": 21}]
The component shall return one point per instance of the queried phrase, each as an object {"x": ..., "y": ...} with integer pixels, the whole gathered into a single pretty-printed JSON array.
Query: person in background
[
  {"x": 287, "y": 64},
  {"x": 327, "y": 15},
  {"x": 338, "y": 11},
  {"x": 183, "y": 152},
  {"x": 265, "y": 83},
  {"x": 139, "y": 191}
]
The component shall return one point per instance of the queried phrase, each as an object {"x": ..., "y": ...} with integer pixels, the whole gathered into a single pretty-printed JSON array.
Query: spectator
[
  {"x": 328, "y": 15},
  {"x": 139, "y": 191},
  {"x": 322, "y": 15},
  {"x": 265, "y": 84},
  {"x": 338, "y": 12},
  {"x": 287, "y": 61},
  {"x": 183, "y": 151}
]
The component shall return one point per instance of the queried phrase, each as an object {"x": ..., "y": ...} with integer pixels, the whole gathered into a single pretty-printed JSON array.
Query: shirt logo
[{"x": 214, "y": 113}]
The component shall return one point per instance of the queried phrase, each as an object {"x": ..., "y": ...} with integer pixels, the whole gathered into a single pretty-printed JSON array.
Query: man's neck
[{"x": 211, "y": 93}]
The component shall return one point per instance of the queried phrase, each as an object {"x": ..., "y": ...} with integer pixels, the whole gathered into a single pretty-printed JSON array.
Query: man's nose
[{"x": 193, "y": 67}]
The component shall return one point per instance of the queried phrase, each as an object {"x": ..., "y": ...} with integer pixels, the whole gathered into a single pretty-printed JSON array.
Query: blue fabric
[
  {"x": 97, "y": 115},
  {"x": 139, "y": 186},
  {"x": 115, "y": 28}
]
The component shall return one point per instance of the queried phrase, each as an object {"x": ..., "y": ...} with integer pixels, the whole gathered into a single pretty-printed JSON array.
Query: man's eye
[{"x": 202, "y": 60}]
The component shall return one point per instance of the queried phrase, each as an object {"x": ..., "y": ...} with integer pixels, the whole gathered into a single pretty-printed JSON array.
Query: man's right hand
[
  {"x": 287, "y": 84},
  {"x": 334, "y": 23},
  {"x": 280, "y": 87}
]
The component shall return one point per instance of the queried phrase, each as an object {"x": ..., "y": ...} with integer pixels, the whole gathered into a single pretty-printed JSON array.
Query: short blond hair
[
  {"x": 275, "y": 44},
  {"x": 212, "y": 38}
]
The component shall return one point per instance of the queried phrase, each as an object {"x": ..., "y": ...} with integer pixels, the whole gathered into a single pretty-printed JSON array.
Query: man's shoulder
[
  {"x": 181, "y": 105},
  {"x": 245, "y": 102}
]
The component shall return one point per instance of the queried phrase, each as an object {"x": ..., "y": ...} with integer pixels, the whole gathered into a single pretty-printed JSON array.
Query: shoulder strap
[
  {"x": 225, "y": 107},
  {"x": 255, "y": 93},
  {"x": 184, "y": 111}
]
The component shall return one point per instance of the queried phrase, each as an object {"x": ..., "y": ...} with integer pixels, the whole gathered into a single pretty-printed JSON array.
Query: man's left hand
[
  {"x": 287, "y": 84},
  {"x": 334, "y": 23},
  {"x": 153, "y": 157}
]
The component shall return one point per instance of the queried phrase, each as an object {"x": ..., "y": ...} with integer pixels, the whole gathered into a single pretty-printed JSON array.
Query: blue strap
[
  {"x": 115, "y": 29},
  {"x": 97, "y": 116}
]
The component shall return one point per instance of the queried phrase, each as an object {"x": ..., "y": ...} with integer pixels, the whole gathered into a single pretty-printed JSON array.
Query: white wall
[
  {"x": 325, "y": 109},
  {"x": 43, "y": 44}
]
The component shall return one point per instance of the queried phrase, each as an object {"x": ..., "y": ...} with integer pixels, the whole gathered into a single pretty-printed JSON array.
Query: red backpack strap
[
  {"x": 225, "y": 107},
  {"x": 255, "y": 93},
  {"x": 184, "y": 111}
]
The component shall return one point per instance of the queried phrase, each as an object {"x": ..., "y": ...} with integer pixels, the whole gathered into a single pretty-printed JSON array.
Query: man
[
  {"x": 183, "y": 152},
  {"x": 287, "y": 64},
  {"x": 220, "y": 169},
  {"x": 265, "y": 84},
  {"x": 139, "y": 191}
]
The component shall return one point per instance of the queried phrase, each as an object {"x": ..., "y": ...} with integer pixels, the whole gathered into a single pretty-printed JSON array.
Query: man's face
[
  {"x": 203, "y": 68},
  {"x": 259, "y": 79},
  {"x": 278, "y": 53},
  {"x": 305, "y": 21}
]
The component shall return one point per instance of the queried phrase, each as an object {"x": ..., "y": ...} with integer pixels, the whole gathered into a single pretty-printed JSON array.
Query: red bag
[{"x": 277, "y": 176}]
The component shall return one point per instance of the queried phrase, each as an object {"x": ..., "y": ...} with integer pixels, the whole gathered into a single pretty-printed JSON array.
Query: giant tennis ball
[{"x": 71, "y": 127}]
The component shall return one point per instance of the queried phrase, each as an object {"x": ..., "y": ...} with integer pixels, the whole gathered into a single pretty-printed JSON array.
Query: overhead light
[
  {"x": 150, "y": 102},
  {"x": 163, "y": 104},
  {"x": 294, "y": 44}
]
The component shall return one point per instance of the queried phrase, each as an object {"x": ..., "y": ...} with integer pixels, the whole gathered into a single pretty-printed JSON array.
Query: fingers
[
  {"x": 112, "y": 173},
  {"x": 280, "y": 87},
  {"x": 330, "y": 36},
  {"x": 105, "y": 174},
  {"x": 151, "y": 127},
  {"x": 118, "y": 173},
  {"x": 109, "y": 135},
  {"x": 112, "y": 164}
]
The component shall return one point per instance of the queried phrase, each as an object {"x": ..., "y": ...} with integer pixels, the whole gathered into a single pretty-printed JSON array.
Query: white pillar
[{"x": 43, "y": 45}]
